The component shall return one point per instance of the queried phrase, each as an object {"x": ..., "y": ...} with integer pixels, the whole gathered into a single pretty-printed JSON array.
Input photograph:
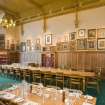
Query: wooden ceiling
[{"x": 26, "y": 10}]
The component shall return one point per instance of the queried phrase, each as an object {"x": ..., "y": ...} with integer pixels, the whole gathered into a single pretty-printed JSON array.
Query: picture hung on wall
[
  {"x": 59, "y": 46},
  {"x": 66, "y": 39},
  {"x": 37, "y": 47},
  {"x": 8, "y": 44},
  {"x": 65, "y": 46},
  {"x": 101, "y": 44},
  {"x": 23, "y": 46},
  {"x": 37, "y": 41},
  {"x": 72, "y": 45},
  {"x": 81, "y": 33},
  {"x": 12, "y": 46},
  {"x": 28, "y": 42},
  {"x": 17, "y": 45},
  {"x": 91, "y": 33},
  {"x": 72, "y": 36},
  {"x": 2, "y": 41},
  {"x": 91, "y": 44},
  {"x": 101, "y": 33},
  {"x": 48, "y": 39},
  {"x": 28, "y": 45},
  {"x": 81, "y": 44}
]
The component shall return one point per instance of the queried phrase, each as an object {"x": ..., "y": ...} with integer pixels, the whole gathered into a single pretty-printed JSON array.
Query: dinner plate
[
  {"x": 84, "y": 103},
  {"x": 88, "y": 97},
  {"x": 31, "y": 103}
]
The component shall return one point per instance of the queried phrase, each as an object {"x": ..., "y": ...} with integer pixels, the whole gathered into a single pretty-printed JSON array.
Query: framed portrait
[
  {"x": 28, "y": 42},
  {"x": 59, "y": 46},
  {"x": 17, "y": 45},
  {"x": 65, "y": 46},
  {"x": 8, "y": 44},
  {"x": 72, "y": 36},
  {"x": 91, "y": 33},
  {"x": 23, "y": 46},
  {"x": 72, "y": 45},
  {"x": 37, "y": 41},
  {"x": 81, "y": 33},
  {"x": 48, "y": 39},
  {"x": 101, "y": 44},
  {"x": 91, "y": 45},
  {"x": 101, "y": 33},
  {"x": 37, "y": 47},
  {"x": 81, "y": 44}
]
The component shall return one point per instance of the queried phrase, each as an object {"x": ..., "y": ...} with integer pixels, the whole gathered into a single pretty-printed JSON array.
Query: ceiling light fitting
[{"x": 6, "y": 21}]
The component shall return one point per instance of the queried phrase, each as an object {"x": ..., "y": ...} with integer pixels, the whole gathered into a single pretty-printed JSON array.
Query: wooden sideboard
[{"x": 8, "y": 57}]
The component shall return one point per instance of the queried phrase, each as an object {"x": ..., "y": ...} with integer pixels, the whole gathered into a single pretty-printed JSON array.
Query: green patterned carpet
[
  {"x": 100, "y": 96},
  {"x": 4, "y": 81}
]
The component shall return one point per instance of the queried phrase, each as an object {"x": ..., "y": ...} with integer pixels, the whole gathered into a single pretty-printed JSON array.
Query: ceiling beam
[
  {"x": 14, "y": 14},
  {"x": 37, "y": 5}
]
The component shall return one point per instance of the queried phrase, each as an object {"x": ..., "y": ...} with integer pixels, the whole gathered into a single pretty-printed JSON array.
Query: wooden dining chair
[
  {"x": 36, "y": 75},
  {"x": 27, "y": 75},
  {"x": 2, "y": 70},
  {"x": 11, "y": 72},
  {"x": 5, "y": 71},
  {"x": 94, "y": 82},
  {"x": 17, "y": 73},
  {"x": 76, "y": 82},
  {"x": 59, "y": 79},
  {"x": 47, "y": 78}
]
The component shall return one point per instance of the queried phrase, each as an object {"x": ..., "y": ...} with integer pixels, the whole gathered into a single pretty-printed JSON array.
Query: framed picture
[
  {"x": 101, "y": 33},
  {"x": 59, "y": 46},
  {"x": 72, "y": 36},
  {"x": 81, "y": 44},
  {"x": 28, "y": 42},
  {"x": 91, "y": 44},
  {"x": 37, "y": 47},
  {"x": 48, "y": 39},
  {"x": 81, "y": 33},
  {"x": 65, "y": 46},
  {"x": 101, "y": 44},
  {"x": 37, "y": 41},
  {"x": 8, "y": 44},
  {"x": 17, "y": 45},
  {"x": 72, "y": 45},
  {"x": 91, "y": 33},
  {"x": 23, "y": 46}
]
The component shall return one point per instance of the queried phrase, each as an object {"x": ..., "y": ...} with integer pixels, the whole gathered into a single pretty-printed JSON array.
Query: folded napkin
[
  {"x": 88, "y": 97},
  {"x": 18, "y": 99},
  {"x": 84, "y": 103},
  {"x": 9, "y": 96},
  {"x": 31, "y": 103}
]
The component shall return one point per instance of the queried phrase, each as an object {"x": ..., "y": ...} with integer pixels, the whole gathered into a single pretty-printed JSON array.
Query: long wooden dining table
[{"x": 67, "y": 73}]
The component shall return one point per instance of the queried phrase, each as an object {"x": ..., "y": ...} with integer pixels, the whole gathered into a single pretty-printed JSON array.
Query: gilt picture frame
[
  {"x": 91, "y": 33},
  {"x": 101, "y": 44},
  {"x": 81, "y": 33},
  {"x": 92, "y": 44},
  {"x": 37, "y": 47},
  {"x": 72, "y": 45},
  {"x": 81, "y": 44},
  {"x": 101, "y": 33},
  {"x": 48, "y": 39},
  {"x": 38, "y": 41},
  {"x": 23, "y": 46},
  {"x": 72, "y": 36}
]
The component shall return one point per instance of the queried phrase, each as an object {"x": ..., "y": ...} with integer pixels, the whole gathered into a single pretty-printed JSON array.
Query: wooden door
[{"x": 48, "y": 60}]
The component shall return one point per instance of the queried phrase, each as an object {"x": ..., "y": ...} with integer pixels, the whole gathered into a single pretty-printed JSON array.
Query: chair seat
[{"x": 93, "y": 82}]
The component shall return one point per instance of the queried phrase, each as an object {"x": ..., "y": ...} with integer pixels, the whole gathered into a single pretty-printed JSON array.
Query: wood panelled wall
[{"x": 88, "y": 61}]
